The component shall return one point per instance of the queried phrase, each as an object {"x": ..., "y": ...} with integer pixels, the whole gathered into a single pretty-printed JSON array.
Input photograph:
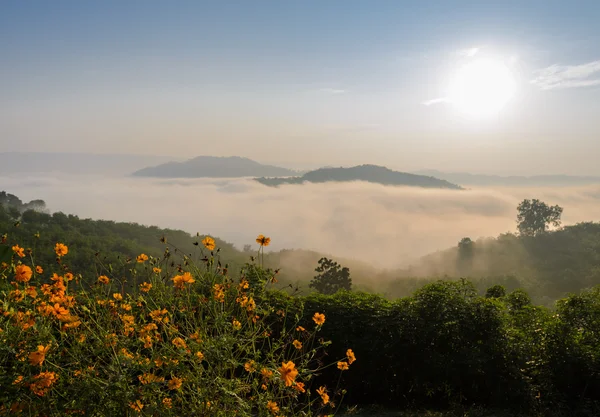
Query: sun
[{"x": 482, "y": 88}]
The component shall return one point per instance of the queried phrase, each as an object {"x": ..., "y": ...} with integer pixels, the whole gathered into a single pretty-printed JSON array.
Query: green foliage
[
  {"x": 331, "y": 277},
  {"x": 534, "y": 217}
]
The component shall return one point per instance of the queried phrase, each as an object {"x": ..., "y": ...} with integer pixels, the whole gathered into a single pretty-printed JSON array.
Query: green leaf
[{"x": 5, "y": 254}]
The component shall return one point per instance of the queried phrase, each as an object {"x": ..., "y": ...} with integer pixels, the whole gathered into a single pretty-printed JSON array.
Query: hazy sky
[{"x": 303, "y": 83}]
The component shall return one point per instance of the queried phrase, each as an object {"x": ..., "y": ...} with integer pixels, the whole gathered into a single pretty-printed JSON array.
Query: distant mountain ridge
[
  {"x": 214, "y": 167},
  {"x": 512, "y": 180},
  {"x": 369, "y": 173}
]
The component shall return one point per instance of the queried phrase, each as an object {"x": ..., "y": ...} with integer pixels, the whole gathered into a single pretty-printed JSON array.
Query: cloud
[
  {"x": 385, "y": 226},
  {"x": 332, "y": 91},
  {"x": 568, "y": 76},
  {"x": 469, "y": 52},
  {"x": 438, "y": 100}
]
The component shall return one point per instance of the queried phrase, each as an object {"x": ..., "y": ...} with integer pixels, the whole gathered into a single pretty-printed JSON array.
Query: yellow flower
[
  {"x": 219, "y": 292},
  {"x": 249, "y": 366},
  {"x": 167, "y": 402},
  {"x": 103, "y": 279},
  {"x": 145, "y": 287},
  {"x": 19, "y": 251},
  {"x": 39, "y": 269},
  {"x": 350, "y": 356},
  {"x": 297, "y": 344},
  {"x": 263, "y": 241},
  {"x": 200, "y": 355},
  {"x": 141, "y": 258},
  {"x": 179, "y": 281},
  {"x": 174, "y": 383},
  {"x": 288, "y": 373},
  {"x": 319, "y": 319},
  {"x": 272, "y": 407},
  {"x": 137, "y": 406},
  {"x": 209, "y": 243},
  {"x": 342, "y": 366},
  {"x": 179, "y": 342},
  {"x": 117, "y": 296},
  {"x": 322, "y": 391},
  {"x": 23, "y": 273},
  {"x": 37, "y": 358},
  {"x": 61, "y": 249},
  {"x": 236, "y": 325},
  {"x": 156, "y": 270}
]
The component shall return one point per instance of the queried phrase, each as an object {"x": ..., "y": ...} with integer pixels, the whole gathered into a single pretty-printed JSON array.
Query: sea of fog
[{"x": 383, "y": 225}]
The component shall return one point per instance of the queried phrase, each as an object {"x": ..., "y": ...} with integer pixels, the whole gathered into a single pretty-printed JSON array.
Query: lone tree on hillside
[
  {"x": 332, "y": 277},
  {"x": 465, "y": 255},
  {"x": 534, "y": 217}
]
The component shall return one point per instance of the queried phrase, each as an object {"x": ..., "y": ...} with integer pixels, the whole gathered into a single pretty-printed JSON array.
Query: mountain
[
  {"x": 370, "y": 173},
  {"x": 12, "y": 163},
  {"x": 214, "y": 167},
  {"x": 519, "y": 181}
]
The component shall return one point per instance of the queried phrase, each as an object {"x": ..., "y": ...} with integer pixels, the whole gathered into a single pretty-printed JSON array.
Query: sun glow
[{"x": 482, "y": 88}]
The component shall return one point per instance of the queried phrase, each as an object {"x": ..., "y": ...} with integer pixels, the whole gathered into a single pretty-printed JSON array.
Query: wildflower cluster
[{"x": 194, "y": 342}]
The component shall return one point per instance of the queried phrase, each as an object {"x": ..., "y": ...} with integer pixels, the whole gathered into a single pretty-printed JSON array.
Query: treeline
[{"x": 446, "y": 346}]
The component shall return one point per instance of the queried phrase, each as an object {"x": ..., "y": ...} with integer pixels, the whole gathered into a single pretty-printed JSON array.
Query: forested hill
[
  {"x": 369, "y": 173},
  {"x": 548, "y": 265},
  {"x": 213, "y": 167}
]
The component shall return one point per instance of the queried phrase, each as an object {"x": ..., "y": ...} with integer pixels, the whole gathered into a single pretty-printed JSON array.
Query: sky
[{"x": 304, "y": 83}]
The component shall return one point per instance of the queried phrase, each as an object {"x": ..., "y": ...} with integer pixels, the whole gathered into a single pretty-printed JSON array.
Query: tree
[
  {"x": 465, "y": 255},
  {"x": 332, "y": 277},
  {"x": 534, "y": 217}
]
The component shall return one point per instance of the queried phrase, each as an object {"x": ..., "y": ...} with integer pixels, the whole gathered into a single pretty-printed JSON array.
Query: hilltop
[
  {"x": 369, "y": 173},
  {"x": 213, "y": 167}
]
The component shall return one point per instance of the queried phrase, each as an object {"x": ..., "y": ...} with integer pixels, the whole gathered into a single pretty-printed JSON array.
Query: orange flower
[
  {"x": 103, "y": 279},
  {"x": 179, "y": 342},
  {"x": 219, "y": 292},
  {"x": 288, "y": 373},
  {"x": 39, "y": 269},
  {"x": 263, "y": 241},
  {"x": 69, "y": 276},
  {"x": 156, "y": 270},
  {"x": 266, "y": 374},
  {"x": 61, "y": 249},
  {"x": 272, "y": 407},
  {"x": 141, "y": 258},
  {"x": 23, "y": 273},
  {"x": 179, "y": 281},
  {"x": 319, "y": 319},
  {"x": 350, "y": 356},
  {"x": 117, "y": 296},
  {"x": 322, "y": 391},
  {"x": 209, "y": 243},
  {"x": 342, "y": 366},
  {"x": 249, "y": 366},
  {"x": 145, "y": 287},
  {"x": 175, "y": 383},
  {"x": 297, "y": 344},
  {"x": 19, "y": 251},
  {"x": 37, "y": 358},
  {"x": 200, "y": 355},
  {"x": 42, "y": 383},
  {"x": 137, "y": 406},
  {"x": 300, "y": 329},
  {"x": 236, "y": 325},
  {"x": 299, "y": 386},
  {"x": 167, "y": 402}
]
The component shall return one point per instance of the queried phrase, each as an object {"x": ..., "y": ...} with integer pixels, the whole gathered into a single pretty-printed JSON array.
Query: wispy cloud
[
  {"x": 469, "y": 52},
  {"x": 568, "y": 76},
  {"x": 438, "y": 100},
  {"x": 332, "y": 91}
]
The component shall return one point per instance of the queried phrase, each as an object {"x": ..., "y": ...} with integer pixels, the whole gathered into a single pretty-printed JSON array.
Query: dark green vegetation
[
  {"x": 369, "y": 173},
  {"x": 331, "y": 277},
  {"x": 213, "y": 167},
  {"x": 446, "y": 344}
]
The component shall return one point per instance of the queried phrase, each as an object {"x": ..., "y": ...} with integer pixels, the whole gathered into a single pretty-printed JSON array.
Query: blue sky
[{"x": 302, "y": 83}]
